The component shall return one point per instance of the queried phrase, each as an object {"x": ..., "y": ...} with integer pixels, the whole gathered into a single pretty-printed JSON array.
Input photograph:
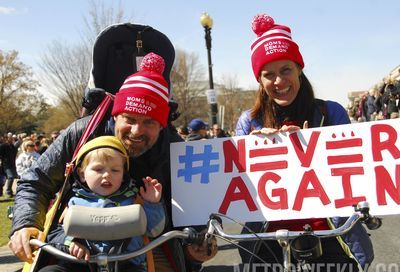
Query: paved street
[
  {"x": 386, "y": 243},
  {"x": 8, "y": 262}
]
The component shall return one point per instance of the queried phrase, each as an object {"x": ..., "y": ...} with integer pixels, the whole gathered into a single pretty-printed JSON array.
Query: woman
[
  {"x": 285, "y": 103},
  {"x": 27, "y": 157}
]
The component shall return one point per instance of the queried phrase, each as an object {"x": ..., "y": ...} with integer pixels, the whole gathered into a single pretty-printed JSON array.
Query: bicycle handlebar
[
  {"x": 215, "y": 228},
  {"x": 286, "y": 234},
  {"x": 187, "y": 234}
]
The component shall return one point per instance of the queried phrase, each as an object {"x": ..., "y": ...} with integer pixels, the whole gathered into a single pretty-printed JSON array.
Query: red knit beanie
[
  {"x": 274, "y": 42},
  {"x": 145, "y": 92}
]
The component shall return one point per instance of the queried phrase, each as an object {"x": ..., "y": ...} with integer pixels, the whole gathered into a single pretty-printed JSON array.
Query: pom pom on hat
[
  {"x": 153, "y": 62},
  {"x": 145, "y": 92},
  {"x": 262, "y": 23},
  {"x": 274, "y": 42}
]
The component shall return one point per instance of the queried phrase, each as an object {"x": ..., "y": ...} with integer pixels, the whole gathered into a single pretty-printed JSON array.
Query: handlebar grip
[
  {"x": 194, "y": 237},
  {"x": 373, "y": 222}
]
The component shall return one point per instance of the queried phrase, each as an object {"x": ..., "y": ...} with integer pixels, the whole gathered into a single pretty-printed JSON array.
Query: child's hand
[
  {"x": 151, "y": 191},
  {"x": 79, "y": 251}
]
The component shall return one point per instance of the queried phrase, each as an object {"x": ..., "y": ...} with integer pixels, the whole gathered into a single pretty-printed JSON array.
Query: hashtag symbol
[{"x": 204, "y": 170}]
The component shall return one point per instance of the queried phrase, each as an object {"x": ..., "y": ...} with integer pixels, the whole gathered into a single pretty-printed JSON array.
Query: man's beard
[{"x": 133, "y": 151}]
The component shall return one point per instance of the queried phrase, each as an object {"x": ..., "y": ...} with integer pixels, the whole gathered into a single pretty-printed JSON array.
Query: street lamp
[{"x": 207, "y": 22}]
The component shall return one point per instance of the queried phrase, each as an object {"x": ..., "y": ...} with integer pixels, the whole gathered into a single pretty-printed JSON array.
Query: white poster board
[{"x": 317, "y": 173}]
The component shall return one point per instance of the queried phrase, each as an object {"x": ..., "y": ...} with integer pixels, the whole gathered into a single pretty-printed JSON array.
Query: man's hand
[
  {"x": 19, "y": 243},
  {"x": 204, "y": 252}
]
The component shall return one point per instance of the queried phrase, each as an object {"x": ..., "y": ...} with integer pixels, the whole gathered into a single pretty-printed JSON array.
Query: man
[
  {"x": 140, "y": 114},
  {"x": 2, "y": 173},
  {"x": 217, "y": 132},
  {"x": 8, "y": 155},
  {"x": 197, "y": 130},
  {"x": 54, "y": 135}
]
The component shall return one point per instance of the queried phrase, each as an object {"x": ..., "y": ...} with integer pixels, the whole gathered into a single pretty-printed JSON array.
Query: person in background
[
  {"x": 26, "y": 157},
  {"x": 8, "y": 155},
  {"x": 183, "y": 132},
  {"x": 217, "y": 131},
  {"x": 54, "y": 135},
  {"x": 44, "y": 144},
  {"x": 197, "y": 130},
  {"x": 371, "y": 106},
  {"x": 285, "y": 102},
  {"x": 2, "y": 173}
]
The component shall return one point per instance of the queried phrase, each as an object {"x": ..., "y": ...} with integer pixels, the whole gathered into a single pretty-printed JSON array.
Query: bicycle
[{"x": 130, "y": 221}]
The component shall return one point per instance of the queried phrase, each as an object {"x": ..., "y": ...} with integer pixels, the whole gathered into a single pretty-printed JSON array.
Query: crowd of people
[
  {"x": 376, "y": 104},
  {"x": 197, "y": 129},
  {"x": 17, "y": 153}
]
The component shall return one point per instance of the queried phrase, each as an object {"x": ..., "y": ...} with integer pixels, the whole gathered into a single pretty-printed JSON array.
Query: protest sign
[{"x": 318, "y": 172}]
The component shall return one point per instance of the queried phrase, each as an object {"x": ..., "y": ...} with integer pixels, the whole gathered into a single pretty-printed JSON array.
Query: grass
[{"x": 5, "y": 223}]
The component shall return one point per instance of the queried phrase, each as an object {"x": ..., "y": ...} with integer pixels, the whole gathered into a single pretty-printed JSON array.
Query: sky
[{"x": 346, "y": 45}]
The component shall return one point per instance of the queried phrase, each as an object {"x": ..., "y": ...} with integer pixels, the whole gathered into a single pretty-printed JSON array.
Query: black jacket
[
  {"x": 44, "y": 179},
  {"x": 8, "y": 155}
]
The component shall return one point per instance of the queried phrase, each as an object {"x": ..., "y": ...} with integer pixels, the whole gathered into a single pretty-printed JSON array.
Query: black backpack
[{"x": 116, "y": 53}]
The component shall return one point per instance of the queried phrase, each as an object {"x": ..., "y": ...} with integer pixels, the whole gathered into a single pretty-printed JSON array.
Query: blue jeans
[
  {"x": 2, "y": 180},
  {"x": 11, "y": 174}
]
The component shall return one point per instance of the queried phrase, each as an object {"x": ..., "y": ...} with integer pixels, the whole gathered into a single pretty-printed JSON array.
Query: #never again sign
[{"x": 320, "y": 172}]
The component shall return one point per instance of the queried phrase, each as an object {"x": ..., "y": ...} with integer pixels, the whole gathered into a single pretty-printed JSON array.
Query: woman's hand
[
  {"x": 265, "y": 131},
  {"x": 284, "y": 128},
  {"x": 292, "y": 128}
]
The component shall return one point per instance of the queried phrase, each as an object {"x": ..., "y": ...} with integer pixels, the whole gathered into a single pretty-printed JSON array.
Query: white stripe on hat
[
  {"x": 267, "y": 39},
  {"x": 147, "y": 86},
  {"x": 146, "y": 79},
  {"x": 277, "y": 31}
]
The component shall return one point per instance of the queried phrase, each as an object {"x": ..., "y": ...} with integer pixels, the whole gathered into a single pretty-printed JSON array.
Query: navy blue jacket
[{"x": 357, "y": 239}]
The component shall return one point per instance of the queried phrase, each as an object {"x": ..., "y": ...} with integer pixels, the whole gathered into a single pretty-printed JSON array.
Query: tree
[
  {"x": 56, "y": 119},
  {"x": 234, "y": 99},
  {"x": 20, "y": 101},
  {"x": 66, "y": 68},
  {"x": 66, "y": 72},
  {"x": 188, "y": 86},
  {"x": 99, "y": 18}
]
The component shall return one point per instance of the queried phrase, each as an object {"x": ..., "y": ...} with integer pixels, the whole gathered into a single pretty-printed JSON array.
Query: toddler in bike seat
[{"x": 102, "y": 180}]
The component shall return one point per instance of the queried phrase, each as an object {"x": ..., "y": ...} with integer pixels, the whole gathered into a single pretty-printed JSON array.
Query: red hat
[
  {"x": 145, "y": 92},
  {"x": 274, "y": 42}
]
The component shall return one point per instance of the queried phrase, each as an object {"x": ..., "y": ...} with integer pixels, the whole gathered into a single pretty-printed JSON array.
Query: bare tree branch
[
  {"x": 188, "y": 84},
  {"x": 66, "y": 68}
]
